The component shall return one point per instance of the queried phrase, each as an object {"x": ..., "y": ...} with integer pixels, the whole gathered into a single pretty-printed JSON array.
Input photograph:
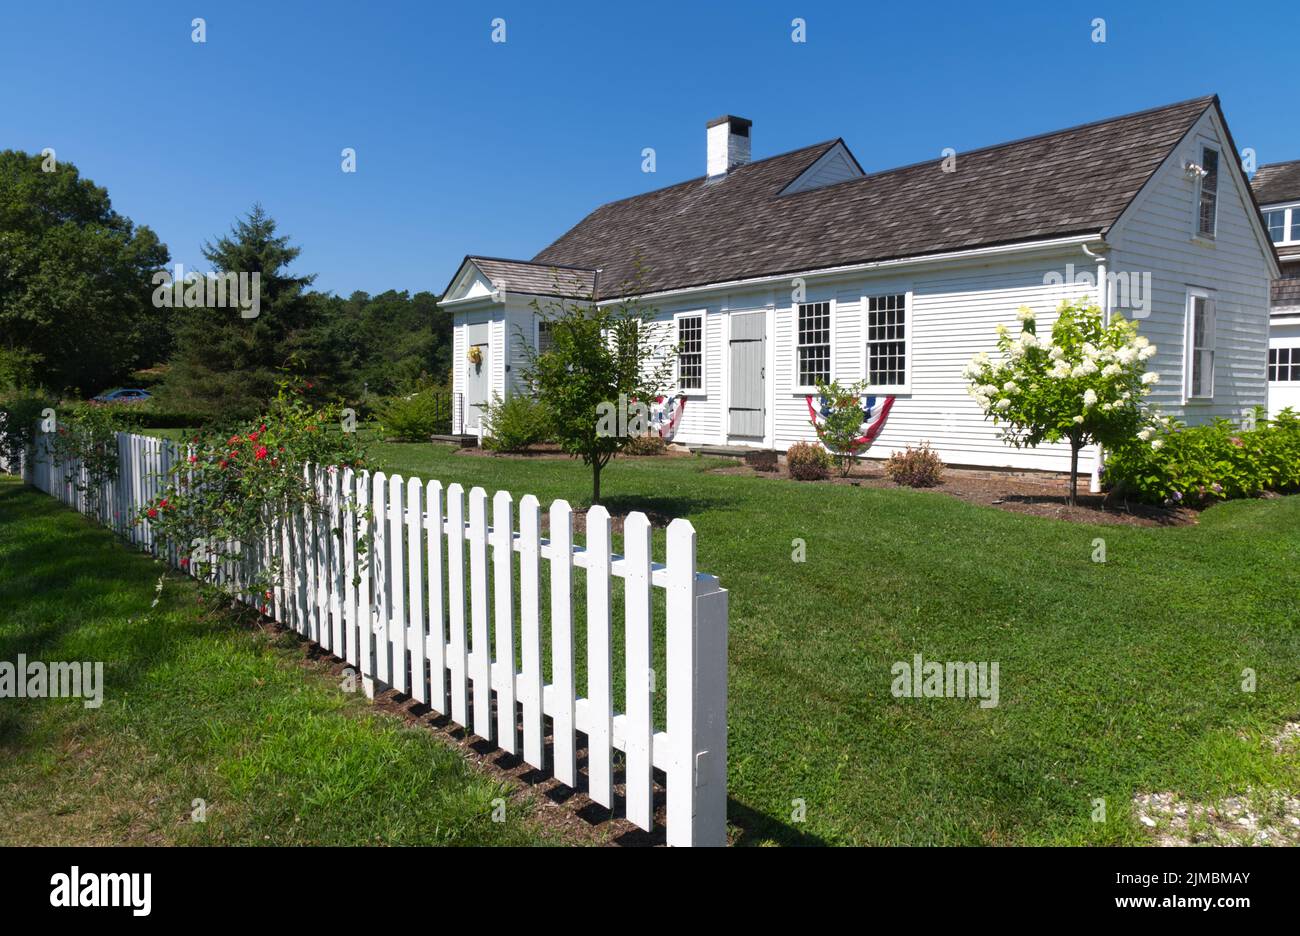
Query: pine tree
[{"x": 227, "y": 365}]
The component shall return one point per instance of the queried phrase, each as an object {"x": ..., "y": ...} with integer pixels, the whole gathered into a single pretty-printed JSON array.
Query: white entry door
[
  {"x": 476, "y": 388},
  {"x": 746, "y": 406}
]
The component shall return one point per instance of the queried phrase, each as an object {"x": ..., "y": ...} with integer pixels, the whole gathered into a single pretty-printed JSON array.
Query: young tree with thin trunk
[{"x": 604, "y": 366}]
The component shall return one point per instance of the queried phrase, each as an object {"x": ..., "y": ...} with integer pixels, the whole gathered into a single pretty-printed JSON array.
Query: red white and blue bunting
[
  {"x": 875, "y": 410},
  {"x": 666, "y": 415}
]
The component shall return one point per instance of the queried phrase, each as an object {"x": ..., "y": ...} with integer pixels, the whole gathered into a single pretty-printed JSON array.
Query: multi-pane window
[
  {"x": 1284, "y": 364},
  {"x": 814, "y": 348},
  {"x": 545, "y": 340},
  {"x": 1200, "y": 347},
  {"x": 1209, "y": 204},
  {"x": 887, "y": 340},
  {"x": 1283, "y": 225},
  {"x": 690, "y": 352}
]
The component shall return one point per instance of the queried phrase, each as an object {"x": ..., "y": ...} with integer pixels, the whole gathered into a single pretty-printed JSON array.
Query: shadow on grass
[{"x": 69, "y": 587}]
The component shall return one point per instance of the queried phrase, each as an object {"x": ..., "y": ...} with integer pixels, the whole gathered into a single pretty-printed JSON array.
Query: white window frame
[
  {"x": 537, "y": 333},
  {"x": 1290, "y": 223},
  {"x": 1189, "y": 337},
  {"x": 804, "y": 389},
  {"x": 703, "y": 316},
  {"x": 1218, "y": 193},
  {"x": 888, "y": 389},
  {"x": 1293, "y": 360}
]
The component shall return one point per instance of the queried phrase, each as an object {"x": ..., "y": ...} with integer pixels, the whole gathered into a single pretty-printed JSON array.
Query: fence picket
[
  {"x": 458, "y": 664},
  {"x": 561, "y": 549},
  {"x": 639, "y": 676},
  {"x": 349, "y": 529},
  {"x": 415, "y": 572},
  {"x": 437, "y": 642},
  {"x": 480, "y": 660},
  {"x": 599, "y": 703},
  {"x": 397, "y": 580},
  {"x": 379, "y": 575},
  {"x": 364, "y": 634},
  {"x": 530, "y": 681},
  {"x": 503, "y": 553},
  {"x": 337, "y": 585}
]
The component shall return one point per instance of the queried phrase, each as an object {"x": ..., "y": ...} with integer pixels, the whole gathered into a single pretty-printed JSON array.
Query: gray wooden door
[
  {"x": 745, "y": 408},
  {"x": 476, "y": 389}
]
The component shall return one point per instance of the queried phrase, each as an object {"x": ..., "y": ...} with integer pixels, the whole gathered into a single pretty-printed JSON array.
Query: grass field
[
  {"x": 1115, "y": 677},
  {"x": 198, "y": 707}
]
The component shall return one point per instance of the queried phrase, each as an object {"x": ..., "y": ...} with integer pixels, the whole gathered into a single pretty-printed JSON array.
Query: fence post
[{"x": 696, "y": 655}]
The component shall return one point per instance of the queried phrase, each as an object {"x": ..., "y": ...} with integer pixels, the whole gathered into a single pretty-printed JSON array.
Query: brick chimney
[{"x": 728, "y": 144}]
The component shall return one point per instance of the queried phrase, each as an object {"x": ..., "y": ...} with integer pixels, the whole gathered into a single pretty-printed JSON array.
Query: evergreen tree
[{"x": 229, "y": 365}]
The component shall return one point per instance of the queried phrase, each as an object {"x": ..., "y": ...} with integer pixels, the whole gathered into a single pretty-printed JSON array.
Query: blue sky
[{"x": 469, "y": 146}]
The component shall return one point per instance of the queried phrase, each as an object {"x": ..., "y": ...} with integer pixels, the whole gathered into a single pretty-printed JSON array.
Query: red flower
[
  {"x": 260, "y": 453},
  {"x": 222, "y": 463},
  {"x": 263, "y": 429},
  {"x": 185, "y": 563},
  {"x": 163, "y": 502},
  {"x": 275, "y": 461},
  {"x": 233, "y": 440},
  {"x": 309, "y": 385},
  {"x": 252, "y": 437},
  {"x": 193, "y": 459},
  {"x": 234, "y": 453},
  {"x": 153, "y": 512}
]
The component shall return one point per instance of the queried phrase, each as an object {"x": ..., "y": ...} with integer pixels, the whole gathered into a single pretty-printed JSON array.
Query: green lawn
[
  {"x": 200, "y": 706},
  {"x": 1114, "y": 678}
]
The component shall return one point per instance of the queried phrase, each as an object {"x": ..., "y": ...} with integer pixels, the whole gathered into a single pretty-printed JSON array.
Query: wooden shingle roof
[
  {"x": 537, "y": 279},
  {"x": 1075, "y": 181},
  {"x": 1277, "y": 182}
]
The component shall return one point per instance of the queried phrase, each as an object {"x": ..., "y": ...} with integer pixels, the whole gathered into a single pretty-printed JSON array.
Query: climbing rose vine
[
  {"x": 1085, "y": 384},
  {"x": 233, "y": 489}
]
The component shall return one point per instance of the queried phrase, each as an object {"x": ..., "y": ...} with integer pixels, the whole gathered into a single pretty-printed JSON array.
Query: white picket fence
[{"x": 411, "y": 618}]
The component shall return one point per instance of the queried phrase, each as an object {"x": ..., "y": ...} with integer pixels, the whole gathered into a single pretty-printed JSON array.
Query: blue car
[{"x": 123, "y": 395}]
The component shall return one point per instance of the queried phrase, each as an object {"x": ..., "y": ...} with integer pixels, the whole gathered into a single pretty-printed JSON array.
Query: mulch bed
[{"x": 1042, "y": 494}]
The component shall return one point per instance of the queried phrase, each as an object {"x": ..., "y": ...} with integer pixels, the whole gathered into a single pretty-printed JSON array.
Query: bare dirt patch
[{"x": 1042, "y": 494}]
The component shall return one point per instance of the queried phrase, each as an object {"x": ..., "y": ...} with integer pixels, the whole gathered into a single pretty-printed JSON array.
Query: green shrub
[
  {"x": 516, "y": 423},
  {"x": 417, "y": 416},
  {"x": 840, "y": 426},
  {"x": 806, "y": 461},
  {"x": 915, "y": 467},
  {"x": 651, "y": 443},
  {"x": 1198, "y": 465},
  {"x": 19, "y": 414}
]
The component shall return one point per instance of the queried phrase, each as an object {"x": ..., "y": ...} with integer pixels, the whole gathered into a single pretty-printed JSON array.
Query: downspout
[{"x": 1103, "y": 300}]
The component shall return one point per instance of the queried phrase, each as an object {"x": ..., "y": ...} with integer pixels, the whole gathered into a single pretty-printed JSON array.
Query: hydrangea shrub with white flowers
[{"x": 1084, "y": 384}]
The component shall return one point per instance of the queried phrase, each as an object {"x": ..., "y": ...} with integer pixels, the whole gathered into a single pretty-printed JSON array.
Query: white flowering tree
[{"x": 1085, "y": 384}]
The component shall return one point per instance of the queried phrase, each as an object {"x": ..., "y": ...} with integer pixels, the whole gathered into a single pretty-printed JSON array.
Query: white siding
[
  {"x": 836, "y": 165},
  {"x": 1156, "y": 237}
]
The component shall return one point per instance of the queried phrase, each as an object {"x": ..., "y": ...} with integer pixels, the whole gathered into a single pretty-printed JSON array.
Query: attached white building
[
  {"x": 1277, "y": 189},
  {"x": 777, "y": 272}
]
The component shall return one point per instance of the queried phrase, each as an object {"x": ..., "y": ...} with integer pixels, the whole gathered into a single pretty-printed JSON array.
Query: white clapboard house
[
  {"x": 1277, "y": 189},
  {"x": 777, "y": 272}
]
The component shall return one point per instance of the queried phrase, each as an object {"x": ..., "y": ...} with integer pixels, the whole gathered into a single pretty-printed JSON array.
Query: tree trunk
[
  {"x": 595, "y": 481},
  {"x": 1075, "y": 445}
]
